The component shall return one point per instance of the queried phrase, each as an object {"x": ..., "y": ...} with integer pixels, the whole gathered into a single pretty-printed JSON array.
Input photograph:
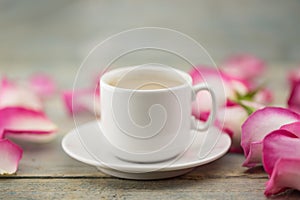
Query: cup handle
[{"x": 196, "y": 123}]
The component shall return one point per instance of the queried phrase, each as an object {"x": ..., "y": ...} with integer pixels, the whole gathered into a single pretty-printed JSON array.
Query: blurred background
[{"x": 39, "y": 35}]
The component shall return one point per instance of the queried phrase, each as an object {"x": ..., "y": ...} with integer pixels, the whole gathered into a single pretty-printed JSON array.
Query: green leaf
[{"x": 250, "y": 95}]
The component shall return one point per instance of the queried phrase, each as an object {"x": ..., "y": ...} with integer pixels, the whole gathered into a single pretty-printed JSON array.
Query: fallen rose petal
[
  {"x": 233, "y": 117},
  {"x": 33, "y": 136},
  {"x": 201, "y": 115},
  {"x": 244, "y": 67},
  {"x": 294, "y": 77},
  {"x": 254, "y": 155},
  {"x": 285, "y": 175},
  {"x": 294, "y": 98},
  {"x": 279, "y": 144},
  {"x": 43, "y": 85},
  {"x": 219, "y": 82},
  {"x": 231, "y": 85},
  {"x": 260, "y": 124},
  {"x": 10, "y": 155},
  {"x": 200, "y": 73},
  {"x": 12, "y": 95},
  {"x": 202, "y": 103},
  {"x": 21, "y": 122},
  {"x": 293, "y": 128},
  {"x": 82, "y": 100},
  {"x": 264, "y": 96}
]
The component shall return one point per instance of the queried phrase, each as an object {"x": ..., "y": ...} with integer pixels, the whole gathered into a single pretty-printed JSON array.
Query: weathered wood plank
[
  {"x": 228, "y": 166},
  {"x": 221, "y": 188}
]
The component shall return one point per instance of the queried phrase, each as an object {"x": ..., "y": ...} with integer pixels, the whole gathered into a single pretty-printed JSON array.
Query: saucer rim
[{"x": 134, "y": 167}]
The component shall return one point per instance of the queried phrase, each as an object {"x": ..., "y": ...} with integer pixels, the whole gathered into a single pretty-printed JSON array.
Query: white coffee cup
[{"x": 146, "y": 111}]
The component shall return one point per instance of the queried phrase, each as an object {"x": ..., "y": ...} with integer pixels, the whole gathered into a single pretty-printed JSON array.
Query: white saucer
[{"x": 88, "y": 145}]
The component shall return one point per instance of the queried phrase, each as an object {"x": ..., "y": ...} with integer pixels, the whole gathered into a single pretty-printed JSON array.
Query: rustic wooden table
[{"x": 46, "y": 172}]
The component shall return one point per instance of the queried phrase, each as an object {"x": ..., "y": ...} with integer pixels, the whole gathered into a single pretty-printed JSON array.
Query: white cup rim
[{"x": 114, "y": 72}]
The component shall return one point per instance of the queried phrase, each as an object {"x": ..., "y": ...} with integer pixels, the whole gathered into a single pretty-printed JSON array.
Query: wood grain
[{"x": 111, "y": 188}]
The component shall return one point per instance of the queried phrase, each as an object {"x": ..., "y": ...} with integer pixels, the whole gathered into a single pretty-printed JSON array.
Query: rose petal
[
  {"x": 231, "y": 85},
  {"x": 203, "y": 102},
  {"x": 293, "y": 128},
  {"x": 200, "y": 73},
  {"x": 214, "y": 77},
  {"x": 286, "y": 175},
  {"x": 43, "y": 85},
  {"x": 261, "y": 123},
  {"x": 203, "y": 116},
  {"x": 10, "y": 155},
  {"x": 279, "y": 144},
  {"x": 12, "y": 95},
  {"x": 294, "y": 76},
  {"x": 244, "y": 67},
  {"x": 254, "y": 155},
  {"x": 82, "y": 100},
  {"x": 33, "y": 136},
  {"x": 233, "y": 118},
  {"x": 26, "y": 124},
  {"x": 202, "y": 105},
  {"x": 264, "y": 96},
  {"x": 294, "y": 98},
  {"x": 237, "y": 150}
]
